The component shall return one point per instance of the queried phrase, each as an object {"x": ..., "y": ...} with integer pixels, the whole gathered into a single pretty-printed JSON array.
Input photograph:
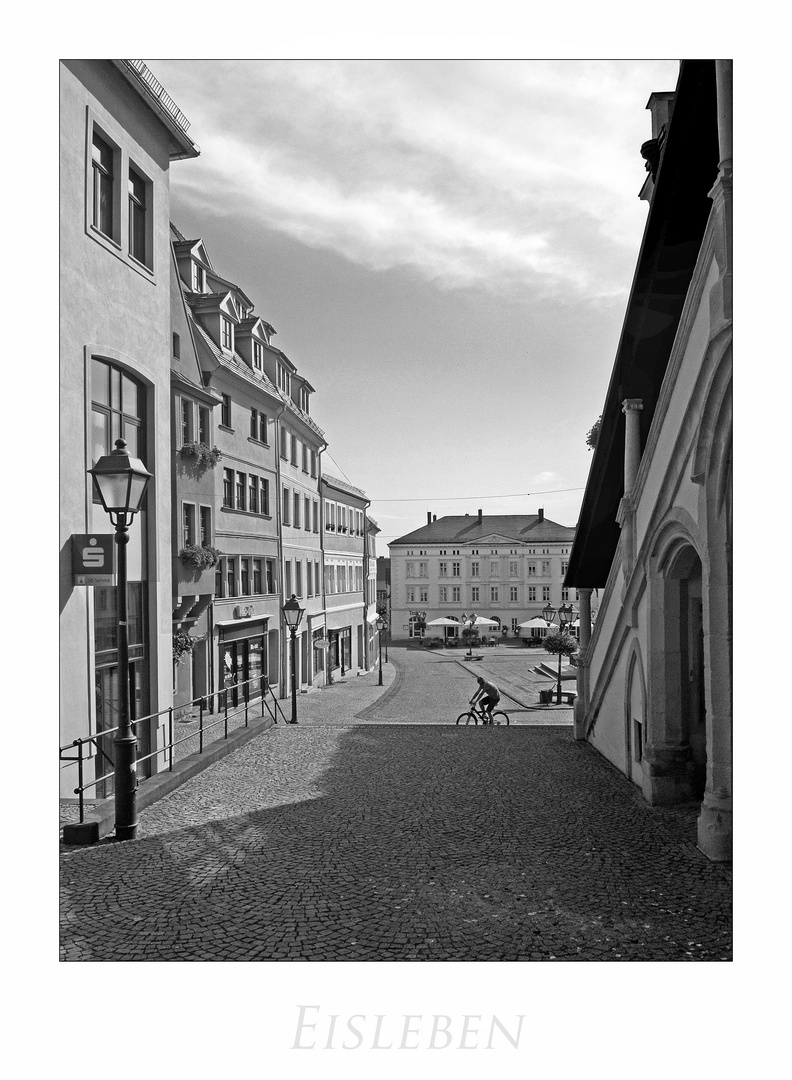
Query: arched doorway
[{"x": 675, "y": 755}]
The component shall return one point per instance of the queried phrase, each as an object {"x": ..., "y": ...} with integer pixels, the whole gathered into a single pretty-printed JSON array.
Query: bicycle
[{"x": 473, "y": 715}]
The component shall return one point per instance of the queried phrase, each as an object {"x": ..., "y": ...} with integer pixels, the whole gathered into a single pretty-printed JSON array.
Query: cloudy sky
[{"x": 445, "y": 249}]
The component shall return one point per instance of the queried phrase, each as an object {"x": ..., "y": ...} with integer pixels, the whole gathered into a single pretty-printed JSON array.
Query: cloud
[{"x": 503, "y": 175}]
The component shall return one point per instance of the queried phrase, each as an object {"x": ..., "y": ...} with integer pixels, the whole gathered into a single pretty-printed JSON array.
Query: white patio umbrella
[
  {"x": 442, "y": 622},
  {"x": 479, "y": 620},
  {"x": 537, "y": 622}
]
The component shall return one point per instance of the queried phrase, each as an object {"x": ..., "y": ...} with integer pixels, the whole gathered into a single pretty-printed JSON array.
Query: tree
[
  {"x": 561, "y": 644},
  {"x": 592, "y": 435}
]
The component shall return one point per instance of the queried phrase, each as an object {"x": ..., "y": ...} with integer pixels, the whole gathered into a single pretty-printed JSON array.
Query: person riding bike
[{"x": 490, "y": 696}]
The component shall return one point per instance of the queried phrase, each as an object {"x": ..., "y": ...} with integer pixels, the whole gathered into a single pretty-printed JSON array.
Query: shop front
[
  {"x": 339, "y": 653},
  {"x": 248, "y": 651}
]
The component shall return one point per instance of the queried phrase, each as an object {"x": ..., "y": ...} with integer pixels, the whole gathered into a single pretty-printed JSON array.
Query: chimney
[
  {"x": 428, "y": 517},
  {"x": 541, "y": 515},
  {"x": 479, "y": 514},
  {"x": 434, "y": 517}
]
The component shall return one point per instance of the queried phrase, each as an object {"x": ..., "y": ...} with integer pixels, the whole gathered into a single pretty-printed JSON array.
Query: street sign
[
  {"x": 93, "y": 559},
  {"x": 321, "y": 643}
]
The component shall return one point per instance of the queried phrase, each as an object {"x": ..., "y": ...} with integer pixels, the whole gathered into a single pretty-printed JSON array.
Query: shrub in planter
[
  {"x": 203, "y": 455},
  {"x": 200, "y": 558},
  {"x": 565, "y": 644}
]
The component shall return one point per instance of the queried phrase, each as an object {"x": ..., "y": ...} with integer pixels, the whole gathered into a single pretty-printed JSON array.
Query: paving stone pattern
[{"x": 358, "y": 839}]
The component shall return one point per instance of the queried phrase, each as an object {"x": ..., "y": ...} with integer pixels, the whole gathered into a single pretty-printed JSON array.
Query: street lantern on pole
[
  {"x": 292, "y": 613},
  {"x": 471, "y": 622},
  {"x": 120, "y": 482},
  {"x": 566, "y": 615},
  {"x": 380, "y": 625}
]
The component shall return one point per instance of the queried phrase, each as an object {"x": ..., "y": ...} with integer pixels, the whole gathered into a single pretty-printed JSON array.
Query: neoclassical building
[
  {"x": 655, "y": 530},
  {"x": 505, "y": 567}
]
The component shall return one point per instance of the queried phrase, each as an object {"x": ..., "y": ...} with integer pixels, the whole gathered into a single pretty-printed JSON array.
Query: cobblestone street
[{"x": 378, "y": 830}]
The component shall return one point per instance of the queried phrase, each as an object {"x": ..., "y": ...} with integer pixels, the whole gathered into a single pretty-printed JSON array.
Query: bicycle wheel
[
  {"x": 500, "y": 718},
  {"x": 467, "y": 718}
]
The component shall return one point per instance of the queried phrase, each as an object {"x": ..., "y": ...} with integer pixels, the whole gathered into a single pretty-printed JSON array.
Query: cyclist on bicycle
[{"x": 490, "y": 696}]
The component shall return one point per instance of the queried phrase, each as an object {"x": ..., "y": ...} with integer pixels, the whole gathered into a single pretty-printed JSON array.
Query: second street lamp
[
  {"x": 565, "y": 617},
  {"x": 120, "y": 482},
  {"x": 292, "y": 613},
  {"x": 380, "y": 625}
]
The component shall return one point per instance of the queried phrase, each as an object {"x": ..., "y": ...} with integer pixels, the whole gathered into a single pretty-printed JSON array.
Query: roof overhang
[{"x": 666, "y": 262}]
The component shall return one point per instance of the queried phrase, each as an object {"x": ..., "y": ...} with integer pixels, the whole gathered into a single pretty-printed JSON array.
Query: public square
[{"x": 377, "y": 830}]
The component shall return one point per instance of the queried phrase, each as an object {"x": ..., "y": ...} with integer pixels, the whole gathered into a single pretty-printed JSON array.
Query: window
[
  {"x": 474, "y": 569},
  {"x": 244, "y": 577},
  {"x": 203, "y": 425},
  {"x": 545, "y": 567},
  {"x": 304, "y": 458},
  {"x": 264, "y": 507},
  {"x": 231, "y": 584},
  {"x": 218, "y": 586},
  {"x": 494, "y": 593},
  {"x": 341, "y": 574},
  {"x": 103, "y": 186},
  {"x": 284, "y": 446},
  {"x": 423, "y": 569},
  {"x": 296, "y": 510},
  {"x": 515, "y": 626},
  {"x": 118, "y": 406},
  {"x": 474, "y": 551},
  {"x": 494, "y": 569},
  {"x": 513, "y": 593},
  {"x": 198, "y": 277},
  {"x": 443, "y": 551},
  {"x": 254, "y": 423},
  {"x": 188, "y": 524},
  {"x": 258, "y": 355},
  {"x": 241, "y": 483},
  {"x": 253, "y": 500},
  {"x": 531, "y": 569},
  {"x": 284, "y": 380},
  {"x": 443, "y": 594},
  {"x": 226, "y": 333},
  {"x": 564, "y": 566},
  {"x": 455, "y": 569},
  {"x": 410, "y": 569},
  {"x": 294, "y": 449},
  {"x": 186, "y": 421},
  {"x": 513, "y": 568},
  {"x": 225, "y": 411},
  {"x": 288, "y": 577},
  {"x": 531, "y": 593},
  {"x": 564, "y": 595},
  {"x": 176, "y": 347},
  {"x": 316, "y": 578},
  {"x": 443, "y": 569},
  {"x": 137, "y": 217},
  {"x": 455, "y": 594},
  {"x": 423, "y": 596},
  {"x": 298, "y": 577},
  {"x": 410, "y": 595},
  {"x": 269, "y": 567},
  {"x": 258, "y": 580},
  {"x": 206, "y": 526},
  {"x": 313, "y": 463},
  {"x": 315, "y": 516},
  {"x": 228, "y": 487},
  {"x": 307, "y": 514},
  {"x": 545, "y": 592},
  {"x": 330, "y": 516},
  {"x": 286, "y": 509},
  {"x": 475, "y": 594}
]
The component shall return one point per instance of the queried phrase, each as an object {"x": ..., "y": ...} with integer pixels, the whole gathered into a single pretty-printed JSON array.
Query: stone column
[
  {"x": 631, "y": 407},
  {"x": 582, "y": 699}
]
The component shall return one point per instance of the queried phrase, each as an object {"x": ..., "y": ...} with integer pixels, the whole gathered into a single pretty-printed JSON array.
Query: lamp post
[
  {"x": 120, "y": 482},
  {"x": 387, "y": 631},
  {"x": 470, "y": 620},
  {"x": 292, "y": 613},
  {"x": 565, "y": 617},
  {"x": 380, "y": 625}
]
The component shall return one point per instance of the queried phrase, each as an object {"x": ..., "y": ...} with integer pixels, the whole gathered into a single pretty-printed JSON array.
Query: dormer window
[
  {"x": 258, "y": 355},
  {"x": 198, "y": 278},
  {"x": 284, "y": 380},
  {"x": 226, "y": 333},
  {"x": 303, "y": 399}
]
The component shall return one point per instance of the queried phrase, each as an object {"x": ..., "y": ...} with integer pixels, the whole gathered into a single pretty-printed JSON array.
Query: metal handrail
[{"x": 222, "y": 696}]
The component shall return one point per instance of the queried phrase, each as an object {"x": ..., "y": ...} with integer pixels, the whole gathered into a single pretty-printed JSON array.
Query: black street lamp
[
  {"x": 471, "y": 622},
  {"x": 565, "y": 616},
  {"x": 292, "y": 613},
  {"x": 380, "y": 625},
  {"x": 120, "y": 482},
  {"x": 387, "y": 631}
]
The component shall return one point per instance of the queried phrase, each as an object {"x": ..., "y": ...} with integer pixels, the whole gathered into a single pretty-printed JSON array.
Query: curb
[
  {"x": 100, "y": 822},
  {"x": 397, "y": 678}
]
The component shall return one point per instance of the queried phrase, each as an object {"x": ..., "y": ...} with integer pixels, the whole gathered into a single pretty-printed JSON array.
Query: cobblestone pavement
[{"x": 369, "y": 839}]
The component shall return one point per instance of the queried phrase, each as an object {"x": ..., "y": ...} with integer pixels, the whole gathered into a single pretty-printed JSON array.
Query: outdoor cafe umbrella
[
  {"x": 442, "y": 622},
  {"x": 479, "y": 620},
  {"x": 537, "y": 622}
]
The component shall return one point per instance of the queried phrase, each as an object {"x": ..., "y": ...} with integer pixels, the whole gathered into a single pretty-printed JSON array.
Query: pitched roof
[
  {"x": 344, "y": 485},
  {"x": 469, "y": 528}
]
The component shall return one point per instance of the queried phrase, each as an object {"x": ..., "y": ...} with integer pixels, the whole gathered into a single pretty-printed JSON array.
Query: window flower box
[
  {"x": 200, "y": 558},
  {"x": 202, "y": 455}
]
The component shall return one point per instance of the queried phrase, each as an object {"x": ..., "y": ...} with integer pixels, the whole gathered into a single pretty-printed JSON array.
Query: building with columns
[
  {"x": 655, "y": 529},
  {"x": 505, "y": 567}
]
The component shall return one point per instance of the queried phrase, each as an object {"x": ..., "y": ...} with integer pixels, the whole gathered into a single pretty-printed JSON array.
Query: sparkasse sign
[{"x": 93, "y": 559}]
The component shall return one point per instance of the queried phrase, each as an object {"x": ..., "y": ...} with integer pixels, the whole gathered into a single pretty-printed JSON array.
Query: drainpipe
[
  {"x": 328, "y": 676},
  {"x": 282, "y": 635}
]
